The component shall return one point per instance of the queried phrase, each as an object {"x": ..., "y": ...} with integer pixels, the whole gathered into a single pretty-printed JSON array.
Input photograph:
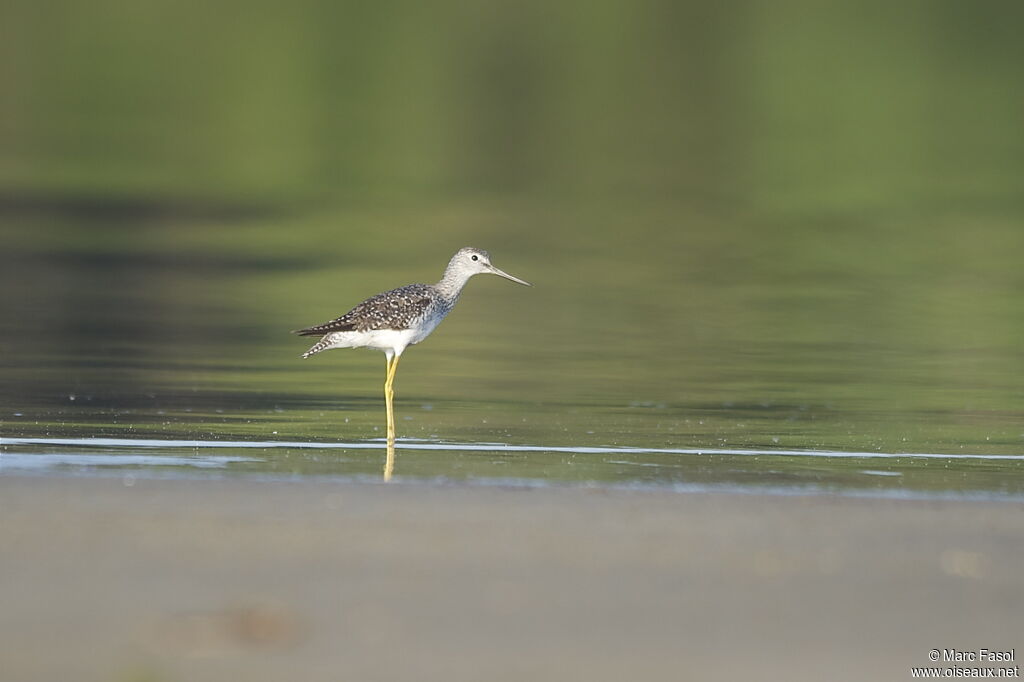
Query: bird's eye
[{"x": 475, "y": 257}]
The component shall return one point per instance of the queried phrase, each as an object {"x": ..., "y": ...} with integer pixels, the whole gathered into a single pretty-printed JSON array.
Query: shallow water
[
  {"x": 934, "y": 475},
  {"x": 809, "y": 282}
]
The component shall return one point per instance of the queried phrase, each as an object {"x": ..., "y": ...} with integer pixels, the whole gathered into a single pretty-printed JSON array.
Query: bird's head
[{"x": 471, "y": 261}]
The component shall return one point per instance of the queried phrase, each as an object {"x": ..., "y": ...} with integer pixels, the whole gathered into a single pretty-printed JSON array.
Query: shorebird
[{"x": 397, "y": 319}]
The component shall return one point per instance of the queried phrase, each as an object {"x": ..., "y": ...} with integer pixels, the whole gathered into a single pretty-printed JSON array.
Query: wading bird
[{"x": 399, "y": 318}]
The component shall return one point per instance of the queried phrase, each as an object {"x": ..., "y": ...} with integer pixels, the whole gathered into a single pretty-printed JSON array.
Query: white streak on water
[
  {"x": 411, "y": 444},
  {"x": 45, "y": 461}
]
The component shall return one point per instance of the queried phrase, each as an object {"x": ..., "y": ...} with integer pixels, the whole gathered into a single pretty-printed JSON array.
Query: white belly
[{"x": 384, "y": 339}]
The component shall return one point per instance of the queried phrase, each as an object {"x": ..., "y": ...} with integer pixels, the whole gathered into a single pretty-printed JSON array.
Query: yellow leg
[
  {"x": 389, "y": 395},
  {"x": 389, "y": 461}
]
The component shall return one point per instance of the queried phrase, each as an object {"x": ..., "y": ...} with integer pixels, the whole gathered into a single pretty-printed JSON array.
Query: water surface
[{"x": 772, "y": 249}]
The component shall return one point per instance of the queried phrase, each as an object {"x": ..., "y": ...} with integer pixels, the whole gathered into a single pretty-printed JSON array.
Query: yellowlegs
[{"x": 396, "y": 319}]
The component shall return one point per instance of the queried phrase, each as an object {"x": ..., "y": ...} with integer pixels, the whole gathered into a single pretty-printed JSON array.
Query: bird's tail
[{"x": 321, "y": 345}]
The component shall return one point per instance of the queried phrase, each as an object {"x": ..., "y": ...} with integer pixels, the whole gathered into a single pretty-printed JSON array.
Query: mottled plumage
[
  {"x": 396, "y": 309},
  {"x": 415, "y": 310}
]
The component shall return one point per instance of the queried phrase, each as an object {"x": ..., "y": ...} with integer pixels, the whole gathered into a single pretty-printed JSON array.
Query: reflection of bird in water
[{"x": 396, "y": 319}]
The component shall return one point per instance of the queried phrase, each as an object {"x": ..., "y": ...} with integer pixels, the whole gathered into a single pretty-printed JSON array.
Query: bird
[{"x": 394, "y": 320}]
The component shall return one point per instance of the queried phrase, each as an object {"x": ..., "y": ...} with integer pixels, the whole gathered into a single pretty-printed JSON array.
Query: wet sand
[{"x": 317, "y": 580}]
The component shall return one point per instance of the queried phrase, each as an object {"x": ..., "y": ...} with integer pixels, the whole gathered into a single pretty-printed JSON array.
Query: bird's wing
[{"x": 395, "y": 309}]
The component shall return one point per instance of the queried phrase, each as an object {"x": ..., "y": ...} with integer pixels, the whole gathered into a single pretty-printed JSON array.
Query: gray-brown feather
[{"x": 396, "y": 309}]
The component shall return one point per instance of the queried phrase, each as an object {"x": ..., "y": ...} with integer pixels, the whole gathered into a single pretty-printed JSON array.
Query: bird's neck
[{"x": 451, "y": 284}]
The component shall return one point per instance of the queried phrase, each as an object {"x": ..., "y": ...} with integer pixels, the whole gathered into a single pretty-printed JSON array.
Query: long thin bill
[{"x": 496, "y": 271}]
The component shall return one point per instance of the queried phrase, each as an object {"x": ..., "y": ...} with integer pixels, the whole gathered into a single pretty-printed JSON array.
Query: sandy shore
[{"x": 316, "y": 580}]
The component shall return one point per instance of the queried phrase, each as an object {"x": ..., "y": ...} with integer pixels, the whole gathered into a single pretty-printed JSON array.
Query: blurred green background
[{"x": 754, "y": 224}]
